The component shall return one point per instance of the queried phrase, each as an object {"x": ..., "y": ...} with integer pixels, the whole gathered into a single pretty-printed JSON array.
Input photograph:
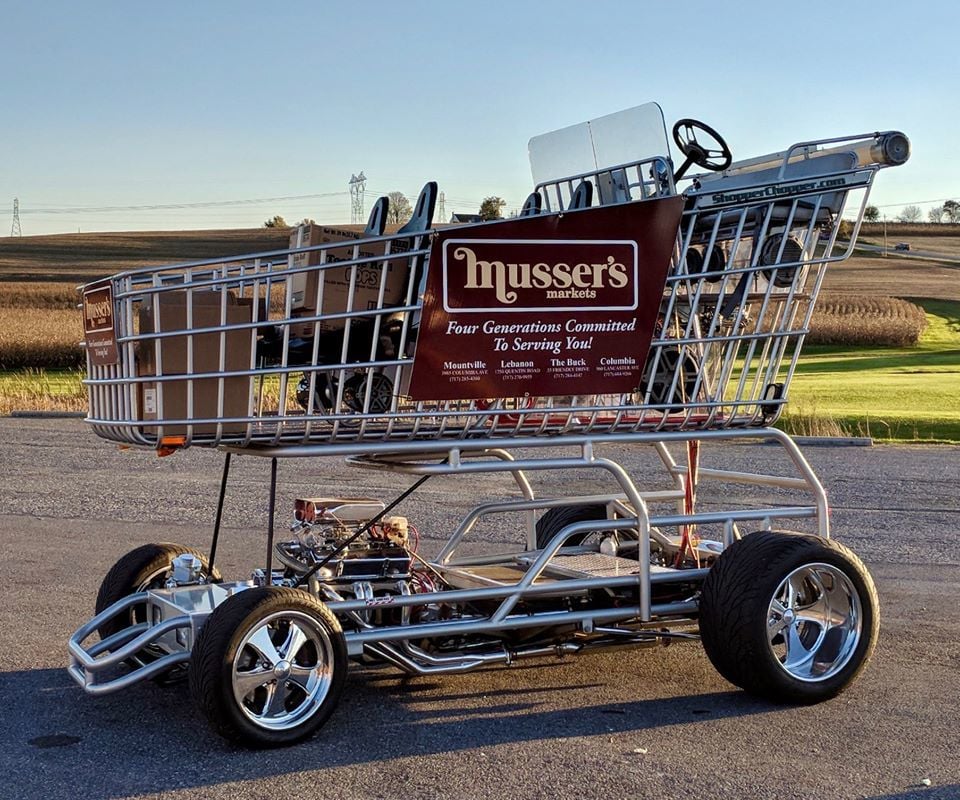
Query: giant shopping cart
[{"x": 629, "y": 304}]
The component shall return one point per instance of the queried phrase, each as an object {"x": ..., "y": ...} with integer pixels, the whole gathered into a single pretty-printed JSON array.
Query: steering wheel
[{"x": 715, "y": 156}]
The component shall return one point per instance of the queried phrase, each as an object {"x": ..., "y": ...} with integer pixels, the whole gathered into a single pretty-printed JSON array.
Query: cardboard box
[
  {"x": 303, "y": 330},
  {"x": 171, "y": 315},
  {"x": 336, "y": 280},
  {"x": 237, "y": 394},
  {"x": 206, "y": 346}
]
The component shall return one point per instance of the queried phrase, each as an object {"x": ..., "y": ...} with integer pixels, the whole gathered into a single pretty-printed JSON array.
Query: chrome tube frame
[
  {"x": 88, "y": 665},
  {"x": 504, "y": 604}
]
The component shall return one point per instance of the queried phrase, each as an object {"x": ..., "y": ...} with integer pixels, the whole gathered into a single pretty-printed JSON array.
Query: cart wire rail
[{"x": 215, "y": 352}]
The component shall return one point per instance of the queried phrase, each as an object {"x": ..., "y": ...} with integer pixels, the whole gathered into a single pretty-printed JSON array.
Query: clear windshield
[{"x": 621, "y": 138}]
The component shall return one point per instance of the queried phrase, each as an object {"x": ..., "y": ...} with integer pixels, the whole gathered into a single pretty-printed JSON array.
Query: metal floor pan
[{"x": 579, "y": 565}]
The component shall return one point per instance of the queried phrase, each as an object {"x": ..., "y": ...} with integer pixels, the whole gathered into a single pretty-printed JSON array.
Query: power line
[
  {"x": 173, "y": 206},
  {"x": 915, "y": 203},
  {"x": 354, "y": 194}
]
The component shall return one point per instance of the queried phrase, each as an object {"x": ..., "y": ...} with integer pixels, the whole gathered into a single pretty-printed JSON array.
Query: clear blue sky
[{"x": 130, "y": 104}]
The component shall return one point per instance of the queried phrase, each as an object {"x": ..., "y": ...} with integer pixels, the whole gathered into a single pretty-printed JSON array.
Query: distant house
[{"x": 461, "y": 219}]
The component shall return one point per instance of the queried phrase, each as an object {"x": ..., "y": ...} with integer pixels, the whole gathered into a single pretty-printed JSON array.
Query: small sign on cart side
[{"x": 98, "y": 325}]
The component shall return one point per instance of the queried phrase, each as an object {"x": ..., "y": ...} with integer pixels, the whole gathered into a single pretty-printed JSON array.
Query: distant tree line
[
  {"x": 948, "y": 212},
  {"x": 280, "y": 222},
  {"x": 400, "y": 210}
]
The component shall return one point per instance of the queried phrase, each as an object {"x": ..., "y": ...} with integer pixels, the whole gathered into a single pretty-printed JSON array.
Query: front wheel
[
  {"x": 268, "y": 667},
  {"x": 145, "y": 567},
  {"x": 789, "y": 617}
]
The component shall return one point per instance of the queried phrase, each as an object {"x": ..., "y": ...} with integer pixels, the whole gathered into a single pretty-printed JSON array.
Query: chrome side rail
[
  {"x": 88, "y": 664},
  {"x": 181, "y": 612}
]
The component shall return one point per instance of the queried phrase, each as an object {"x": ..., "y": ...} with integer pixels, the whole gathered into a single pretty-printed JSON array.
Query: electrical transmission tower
[
  {"x": 358, "y": 183},
  {"x": 15, "y": 228},
  {"x": 442, "y": 208}
]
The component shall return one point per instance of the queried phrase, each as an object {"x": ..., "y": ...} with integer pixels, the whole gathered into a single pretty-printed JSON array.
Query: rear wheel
[
  {"x": 268, "y": 667},
  {"x": 556, "y": 519},
  {"x": 789, "y": 617},
  {"x": 381, "y": 393}
]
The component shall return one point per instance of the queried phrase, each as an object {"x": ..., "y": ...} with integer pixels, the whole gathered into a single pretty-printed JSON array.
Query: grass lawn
[
  {"x": 905, "y": 394},
  {"x": 42, "y": 390}
]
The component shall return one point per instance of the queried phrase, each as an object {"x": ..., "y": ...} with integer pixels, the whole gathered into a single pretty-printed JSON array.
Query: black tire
[
  {"x": 782, "y": 277},
  {"x": 381, "y": 393},
  {"x": 324, "y": 392},
  {"x": 714, "y": 265},
  {"x": 146, "y": 567},
  {"x": 556, "y": 519},
  {"x": 741, "y": 612},
  {"x": 223, "y": 651}
]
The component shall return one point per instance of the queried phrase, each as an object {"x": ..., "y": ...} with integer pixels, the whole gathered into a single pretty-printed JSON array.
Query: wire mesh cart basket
[{"x": 629, "y": 303}]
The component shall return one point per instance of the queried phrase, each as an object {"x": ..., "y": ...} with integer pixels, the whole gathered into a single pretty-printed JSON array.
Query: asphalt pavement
[{"x": 656, "y": 722}]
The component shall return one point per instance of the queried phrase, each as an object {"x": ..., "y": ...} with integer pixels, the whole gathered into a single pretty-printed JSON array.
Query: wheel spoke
[
  {"x": 263, "y": 644},
  {"x": 276, "y": 700},
  {"x": 775, "y": 627},
  {"x": 796, "y": 652},
  {"x": 304, "y": 677},
  {"x": 244, "y": 683},
  {"x": 793, "y": 591},
  {"x": 296, "y": 638},
  {"x": 820, "y": 613}
]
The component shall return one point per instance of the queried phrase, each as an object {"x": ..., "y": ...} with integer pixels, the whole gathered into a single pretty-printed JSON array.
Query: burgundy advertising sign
[
  {"x": 98, "y": 327},
  {"x": 556, "y": 304}
]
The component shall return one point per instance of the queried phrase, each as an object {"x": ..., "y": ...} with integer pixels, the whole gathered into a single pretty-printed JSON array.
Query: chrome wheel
[
  {"x": 814, "y": 622},
  {"x": 268, "y": 666},
  {"x": 283, "y": 670},
  {"x": 789, "y": 616},
  {"x": 381, "y": 393}
]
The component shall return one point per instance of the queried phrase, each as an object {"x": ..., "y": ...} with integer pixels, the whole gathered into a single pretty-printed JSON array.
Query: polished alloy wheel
[
  {"x": 283, "y": 670},
  {"x": 814, "y": 622}
]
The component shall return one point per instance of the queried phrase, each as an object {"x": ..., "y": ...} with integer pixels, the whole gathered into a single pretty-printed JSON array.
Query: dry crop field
[
  {"x": 39, "y": 324},
  {"x": 942, "y": 237},
  {"x": 895, "y": 277},
  {"x": 82, "y": 257},
  {"x": 865, "y": 320},
  {"x": 40, "y": 327}
]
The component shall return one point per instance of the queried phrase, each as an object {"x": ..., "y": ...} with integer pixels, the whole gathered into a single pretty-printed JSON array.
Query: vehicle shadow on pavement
[{"x": 150, "y": 738}]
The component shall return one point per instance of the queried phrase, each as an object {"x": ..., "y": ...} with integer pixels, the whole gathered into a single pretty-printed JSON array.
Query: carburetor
[{"x": 322, "y": 525}]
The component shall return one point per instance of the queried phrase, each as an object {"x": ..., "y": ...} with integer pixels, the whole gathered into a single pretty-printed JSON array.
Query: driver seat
[{"x": 582, "y": 197}]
